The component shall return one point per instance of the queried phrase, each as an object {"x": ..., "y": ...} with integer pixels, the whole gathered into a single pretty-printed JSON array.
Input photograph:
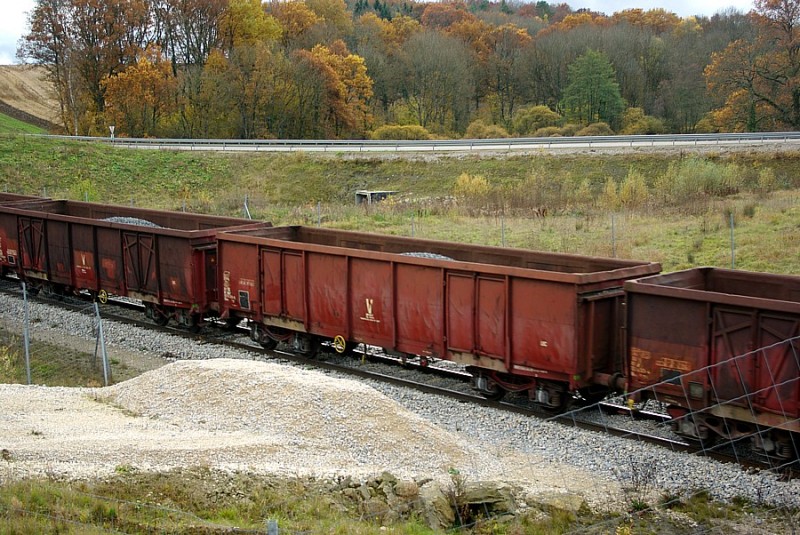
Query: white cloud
[
  {"x": 683, "y": 8},
  {"x": 13, "y": 24}
]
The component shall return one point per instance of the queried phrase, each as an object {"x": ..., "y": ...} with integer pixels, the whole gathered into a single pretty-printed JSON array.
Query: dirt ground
[{"x": 25, "y": 88}]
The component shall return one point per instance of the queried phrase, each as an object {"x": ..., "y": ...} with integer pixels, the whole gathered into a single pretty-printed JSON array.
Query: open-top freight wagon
[
  {"x": 166, "y": 259},
  {"x": 722, "y": 348},
  {"x": 520, "y": 320}
]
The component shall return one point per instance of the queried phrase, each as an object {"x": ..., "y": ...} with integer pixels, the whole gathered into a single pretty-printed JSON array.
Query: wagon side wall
[{"x": 742, "y": 325}]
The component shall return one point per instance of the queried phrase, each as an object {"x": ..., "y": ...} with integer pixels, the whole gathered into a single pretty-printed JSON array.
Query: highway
[{"x": 456, "y": 145}]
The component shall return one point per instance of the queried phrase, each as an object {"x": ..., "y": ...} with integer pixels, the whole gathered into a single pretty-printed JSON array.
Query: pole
[
  {"x": 613, "y": 237},
  {"x": 25, "y": 333},
  {"x": 319, "y": 214},
  {"x": 733, "y": 245},
  {"x": 102, "y": 339},
  {"x": 246, "y": 208}
]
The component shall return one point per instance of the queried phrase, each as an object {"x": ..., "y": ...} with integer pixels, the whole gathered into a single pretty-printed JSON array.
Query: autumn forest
[{"x": 400, "y": 69}]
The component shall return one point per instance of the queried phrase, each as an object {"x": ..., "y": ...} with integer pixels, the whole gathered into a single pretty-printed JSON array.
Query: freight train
[{"x": 558, "y": 327}]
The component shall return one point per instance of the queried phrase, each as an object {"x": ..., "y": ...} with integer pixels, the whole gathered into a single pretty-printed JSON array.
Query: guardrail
[{"x": 596, "y": 142}]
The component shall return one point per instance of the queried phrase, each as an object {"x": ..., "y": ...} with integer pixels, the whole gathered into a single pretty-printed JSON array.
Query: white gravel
[{"x": 222, "y": 409}]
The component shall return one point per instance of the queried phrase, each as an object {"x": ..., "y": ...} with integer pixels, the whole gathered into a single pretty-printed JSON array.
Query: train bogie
[
  {"x": 520, "y": 320},
  {"x": 721, "y": 347}
]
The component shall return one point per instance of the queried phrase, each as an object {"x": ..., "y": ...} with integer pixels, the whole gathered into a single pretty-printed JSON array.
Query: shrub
[
  {"x": 634, "y": 122},
  {"x": 609, "y": 199},
  {"x": 595, "y": 129},
  {"x": 695, "y": 178},
  {"x": 480, "y": 130},
  {"x": 633, "y": 192},
  {"x": 766, "y": 181},
  {"x": 396, "y": 131},
  {"x": 548, "y": 131},
  {"x": 471, "y": 190},
  {"x": 530, "y": 120}
]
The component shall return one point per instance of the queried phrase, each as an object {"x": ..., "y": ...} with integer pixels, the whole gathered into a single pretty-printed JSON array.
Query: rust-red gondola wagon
[
  {"x": 166, "y": 259},
  {"x": 721, "y": 348},
  {"x": 521, "y": 320}
]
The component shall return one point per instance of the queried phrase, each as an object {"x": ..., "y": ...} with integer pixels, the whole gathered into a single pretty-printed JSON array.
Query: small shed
[{"x": 369, "y": 197}]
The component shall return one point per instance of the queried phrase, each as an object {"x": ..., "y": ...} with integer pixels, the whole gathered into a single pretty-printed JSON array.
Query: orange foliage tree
[
  {"x": 139, "y": 98},
  {"x": 760, "y": 80}
]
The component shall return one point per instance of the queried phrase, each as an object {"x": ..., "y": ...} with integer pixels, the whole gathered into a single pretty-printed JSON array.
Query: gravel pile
[{"x": 244, "y": 414}]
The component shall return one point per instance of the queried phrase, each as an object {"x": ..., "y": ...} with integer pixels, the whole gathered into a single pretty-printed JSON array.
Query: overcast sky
[{"x": 13, "y": 19}]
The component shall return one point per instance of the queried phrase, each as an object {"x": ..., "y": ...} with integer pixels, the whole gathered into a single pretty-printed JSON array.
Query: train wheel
[
  {"x": 306, "y": 345},
  {"x": 160, "y": 317},
  {"x": 488, "y": 388},
  {"x": 259, "y": 334}
]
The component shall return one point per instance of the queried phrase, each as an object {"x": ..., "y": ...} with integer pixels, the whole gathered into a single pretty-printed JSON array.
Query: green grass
[
  {"x": 9, "y": 125},
  {"x": 673, "y": 226},
  {"x": 53, "y": 365}
]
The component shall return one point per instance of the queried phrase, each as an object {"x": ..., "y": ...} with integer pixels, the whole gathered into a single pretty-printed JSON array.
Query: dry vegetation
[{"x": 25, "y": 88}]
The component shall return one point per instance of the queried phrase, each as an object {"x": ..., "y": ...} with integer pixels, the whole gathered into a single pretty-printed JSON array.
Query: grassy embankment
[
  {"x": 9, "y": 125},
  {"x": 673, "y": 208}
]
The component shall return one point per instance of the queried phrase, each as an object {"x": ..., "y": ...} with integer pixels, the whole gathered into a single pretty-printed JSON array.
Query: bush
[
  {"x": 635, "y": 122},
  {"x": 400, "y": 132},
  {"x": 633, "y": 192},
  {"x": 471, "y": 190},
  {"x": 533, "y": 119},
  {"x": 480, "y": 130},
  {"x": 694, "y": 178},
  {"x": 596, "y": 129},
  {"x": 548, "y": 131}
]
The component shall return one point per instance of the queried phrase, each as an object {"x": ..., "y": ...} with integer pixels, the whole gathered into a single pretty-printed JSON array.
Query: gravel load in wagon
[
  {"x": 427, "y": 255},
  {"x": 132, "y": 221}
]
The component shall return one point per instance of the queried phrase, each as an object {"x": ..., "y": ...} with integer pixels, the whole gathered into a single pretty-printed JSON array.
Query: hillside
[{"x": 26, "y": 95}]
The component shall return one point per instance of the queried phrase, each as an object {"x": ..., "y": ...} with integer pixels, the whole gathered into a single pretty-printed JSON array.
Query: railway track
[{"x": 422, "y": 376}]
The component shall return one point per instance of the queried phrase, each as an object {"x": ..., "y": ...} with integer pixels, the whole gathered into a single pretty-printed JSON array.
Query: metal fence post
[
  {"x": 613, "y": 237},
  {"x": 733, "y": 245},
  {"x": 272, "y": 527},
  {"x": 26, "y": 333},
  {"x": 102, "y": 339},
  {"x": 247, "y": 208}
]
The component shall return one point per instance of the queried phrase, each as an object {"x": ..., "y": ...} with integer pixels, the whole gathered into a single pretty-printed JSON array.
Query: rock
[
  {"x": 406, "y": 489},
  {"x": 436, "y": 508},
  {"x": 374, "y": 509},
  {"x": 491, "y": 497},
  {"x": 365, "y": 492},
  {"x": 563, "y": 501}
]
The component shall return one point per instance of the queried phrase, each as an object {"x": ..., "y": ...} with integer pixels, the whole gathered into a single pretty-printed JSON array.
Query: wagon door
[
  {"x": 139, "y": 254},
  {"x": 476, "y": 312},
  {"x": 777, "y": 372},
  {"x": 32, "y": 244},
  {"x": 766, "y": 379}
]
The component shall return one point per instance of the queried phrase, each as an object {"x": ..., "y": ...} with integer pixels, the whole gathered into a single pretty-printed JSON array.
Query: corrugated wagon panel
[
  {"x": 543, "y": 326},
  {"x": 371, "y": 299},
  {"x": 327, "y": 294},
  {"x": 420, "y": 310}
]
